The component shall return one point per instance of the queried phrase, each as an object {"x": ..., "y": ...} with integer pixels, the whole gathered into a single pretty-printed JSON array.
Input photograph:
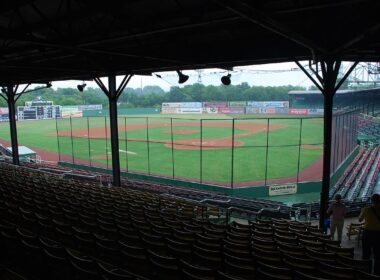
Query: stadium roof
[
  {"x": 343, "y": 91},
  {"x": 43, "y": 40}
]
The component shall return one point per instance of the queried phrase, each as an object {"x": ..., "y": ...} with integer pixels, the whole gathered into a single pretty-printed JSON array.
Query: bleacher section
[
  {"x": 370, "y": 126},
  {"x": 360, "y": 177},
  {"x": 54, "y": 228},
  {"x": 356, "y": 185}
]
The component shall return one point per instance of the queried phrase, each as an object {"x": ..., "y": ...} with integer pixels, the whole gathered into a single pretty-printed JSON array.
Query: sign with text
[
  {"x": 295, "y": 111},
  {"x": 215, "y": 104},
  {"x": 282, "y": 189}
]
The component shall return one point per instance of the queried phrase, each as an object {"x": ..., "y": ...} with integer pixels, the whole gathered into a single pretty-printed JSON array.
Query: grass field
[{"x": 293, "y": 144}]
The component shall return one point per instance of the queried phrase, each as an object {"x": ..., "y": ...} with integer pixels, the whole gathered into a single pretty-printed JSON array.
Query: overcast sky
[{"x": 259, "y": 75}]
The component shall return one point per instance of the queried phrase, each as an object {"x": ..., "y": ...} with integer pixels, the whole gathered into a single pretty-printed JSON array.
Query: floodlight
[
  {"x": 182, "y": 77},
  {"x": 81, "y": 87},
  {"x": 226, "y": 80}
]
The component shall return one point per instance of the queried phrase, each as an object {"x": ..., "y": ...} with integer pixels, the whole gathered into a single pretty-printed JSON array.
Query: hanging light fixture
[
  {"x": 81, "y": 87},
  {"x": 182, "y": 77},
  {"x": 226, "y": 80}
]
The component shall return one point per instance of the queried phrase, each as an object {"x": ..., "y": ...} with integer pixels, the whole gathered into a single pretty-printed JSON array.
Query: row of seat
[{"x": 160, "y": 239}]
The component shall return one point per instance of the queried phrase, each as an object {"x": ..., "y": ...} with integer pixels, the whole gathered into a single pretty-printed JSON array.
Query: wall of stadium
[
  {"x": 235, "y": 107},
  {"x": 254, "y": 191},
  {"x": 4, "y": 116},
  {"x": 131, "y": 111}
]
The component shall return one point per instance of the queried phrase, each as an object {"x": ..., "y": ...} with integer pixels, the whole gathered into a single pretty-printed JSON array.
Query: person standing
[
  {"x": 337, "y": 212},
  {"x": 371, "y": 233}
]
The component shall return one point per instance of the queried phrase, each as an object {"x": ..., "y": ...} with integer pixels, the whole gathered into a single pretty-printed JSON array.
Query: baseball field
[{"x": 238, "y": 150}]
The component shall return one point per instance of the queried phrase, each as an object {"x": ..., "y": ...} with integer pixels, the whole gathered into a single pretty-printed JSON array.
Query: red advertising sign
[
  {"x": 224, "y": 110},
  {"x": 295, "y": 111},
  {"x": 270, "y": 110},
  {"x": 231, "y": 110},
  {"x": 3, "y": 110}
]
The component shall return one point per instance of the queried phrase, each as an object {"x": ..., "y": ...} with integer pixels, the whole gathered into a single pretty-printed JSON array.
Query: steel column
[
  {"x": 12, "y": 124},
  {"x": 330, "y": 75},
  {"x": 327, "y": 85},
  {"x": 113, "y": 95},
  {"x": 112, "y": 99}
]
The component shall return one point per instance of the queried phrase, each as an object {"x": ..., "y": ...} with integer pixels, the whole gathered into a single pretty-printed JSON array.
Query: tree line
[{"x": 153, "y": 96}]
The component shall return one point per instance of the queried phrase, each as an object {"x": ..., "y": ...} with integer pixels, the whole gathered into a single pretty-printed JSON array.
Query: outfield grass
[{"x": 252, "y": 161}]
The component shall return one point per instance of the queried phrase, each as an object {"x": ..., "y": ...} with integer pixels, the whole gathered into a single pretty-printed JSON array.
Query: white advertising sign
[{"x": 282, "y": 189}]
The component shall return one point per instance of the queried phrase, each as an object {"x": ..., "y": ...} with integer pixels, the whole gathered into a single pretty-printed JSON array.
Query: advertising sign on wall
[
  {"x": 90, "y": 107},
  {"x": 316, "y": 111},
  {"x": 274, "y": 104},
  {"x": 168, "y": 110},
  {"x": 182, "y": 105},
  {"x": 189, "y": 110},
  {"x": 294, "y": 111},
  {"x": 4, "y": 117},
  {"x": 3, "y": 110},
  {"x": 171, "y": 105},
  {"x": 270, "y": 110},
  {"x": 282, "y": 189},
  {"x": 191, "y": 105},
  {"x": 215, "y": 104},
  {"x": 231, "y": 110},
  {"x": 282, "y": 110},
  {"x": 237, "y": 104},
  {"x": 72, "y": 114},
  {"x": 210, "y": 110},
  {"x": 254, "y": 110}
]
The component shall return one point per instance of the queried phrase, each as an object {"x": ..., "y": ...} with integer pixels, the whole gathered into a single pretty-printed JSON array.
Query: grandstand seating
[
  {"x": 360, "y": 177},
  {"x": 369, "y": 125},
  {"x": 53, "y": 228}
]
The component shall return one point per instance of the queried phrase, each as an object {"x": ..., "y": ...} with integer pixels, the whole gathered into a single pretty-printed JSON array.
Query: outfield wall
[
  {"x": 237, "y": 107},
  {"x": 121, "y": 112}
]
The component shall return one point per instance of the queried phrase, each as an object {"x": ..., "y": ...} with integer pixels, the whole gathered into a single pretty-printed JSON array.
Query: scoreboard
[{"x": 39, "y": 109}]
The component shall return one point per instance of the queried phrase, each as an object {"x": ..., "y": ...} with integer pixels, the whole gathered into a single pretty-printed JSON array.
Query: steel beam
[
  {"x": 328, "y": 86},
  {"x": 113, "y": 93},
  {"x": 12, "y": 123},
  {"x": 260, "y": 18},
  {"x": 112, "y": 99}
]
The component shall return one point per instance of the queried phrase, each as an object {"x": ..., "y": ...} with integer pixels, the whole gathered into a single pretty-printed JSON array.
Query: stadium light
[
  {"x": 226, "y": 80},
  {"x": 81, "y": 87},
  {"x": 182, "y": 77}
]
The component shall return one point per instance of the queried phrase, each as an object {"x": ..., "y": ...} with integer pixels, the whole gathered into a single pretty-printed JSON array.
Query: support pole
[
  {"x": 327, "y": 128},
  {"x": 12, "y": 123},
  {"x": 328, "y": 86},
  {"x": 112, "y": 99},
  {"x": 113, "y": 95}
]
